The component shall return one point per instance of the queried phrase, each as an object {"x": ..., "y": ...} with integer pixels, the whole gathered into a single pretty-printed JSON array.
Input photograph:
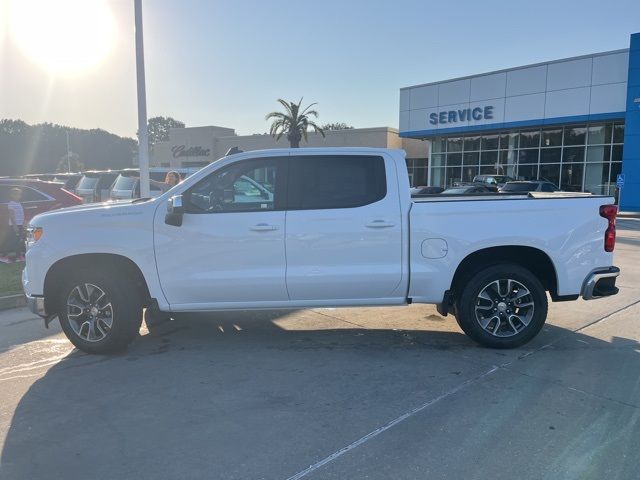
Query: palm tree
[{"x": 293, "y": 122}]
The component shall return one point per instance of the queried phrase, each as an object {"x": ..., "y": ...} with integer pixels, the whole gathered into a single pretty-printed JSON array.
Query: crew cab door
[
  {"x": 344, "y": 229},
  {"x": 229, "y": 251}
]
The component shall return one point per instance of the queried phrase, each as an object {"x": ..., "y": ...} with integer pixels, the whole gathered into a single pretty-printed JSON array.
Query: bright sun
[{"x": 64, "y": 36}]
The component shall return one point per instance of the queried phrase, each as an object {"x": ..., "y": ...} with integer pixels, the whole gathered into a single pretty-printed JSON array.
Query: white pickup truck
[{"x": 323, "y": 227}]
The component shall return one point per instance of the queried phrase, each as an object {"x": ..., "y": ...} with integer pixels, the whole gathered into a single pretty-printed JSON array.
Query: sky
[{"x": 214, "y": 62}]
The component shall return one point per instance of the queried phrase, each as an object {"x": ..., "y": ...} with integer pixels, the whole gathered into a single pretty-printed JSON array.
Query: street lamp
[{"x": 143, "y": 142}]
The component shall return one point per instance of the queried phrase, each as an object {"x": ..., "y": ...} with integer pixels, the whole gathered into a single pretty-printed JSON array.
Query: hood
[{"x": 103, "y": 210}]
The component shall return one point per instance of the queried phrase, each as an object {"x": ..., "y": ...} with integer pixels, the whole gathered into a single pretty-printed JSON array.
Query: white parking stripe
[{"x": 386, "y": 427}]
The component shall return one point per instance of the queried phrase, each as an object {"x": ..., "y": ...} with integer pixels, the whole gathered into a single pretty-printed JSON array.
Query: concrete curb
[{"x": 12, "y": 301}]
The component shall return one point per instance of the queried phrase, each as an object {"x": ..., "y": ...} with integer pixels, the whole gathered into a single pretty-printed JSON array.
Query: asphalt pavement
[{"x": 385, "y": 393}]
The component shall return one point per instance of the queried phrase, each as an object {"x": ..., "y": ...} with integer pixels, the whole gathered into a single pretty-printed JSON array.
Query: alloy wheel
[
  {"x": 89, "y": 312},
  {"x": 504, "y": 307}
]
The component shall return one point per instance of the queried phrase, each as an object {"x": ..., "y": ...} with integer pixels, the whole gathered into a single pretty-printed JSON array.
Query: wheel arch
[
  {"x": 531, "y": 258},
  {"x": 108, "y": 261}
]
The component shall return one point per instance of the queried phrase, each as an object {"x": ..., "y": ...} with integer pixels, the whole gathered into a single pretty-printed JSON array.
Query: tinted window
[
  {"x": 107, "y": 179},
  {"x": 548, "y": 187},
  {"x": 124, "y": 183},
  {"x": 519, "y": 187},
  {"x": 28, "y": 194},
  {"x": 31, "y": 195},
  {"x": 336, "y": 181},
  {"x": 247, "y": 186},
  {"x": 87, "y": 183}
]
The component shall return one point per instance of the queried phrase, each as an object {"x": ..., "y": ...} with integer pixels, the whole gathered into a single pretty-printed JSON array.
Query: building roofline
[{"x": 598, "y": 54}]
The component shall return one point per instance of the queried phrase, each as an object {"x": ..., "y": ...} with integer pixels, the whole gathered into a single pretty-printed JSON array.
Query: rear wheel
[
  {"x": 503, "y": 306},
  {"x": 99, "y": 313}
]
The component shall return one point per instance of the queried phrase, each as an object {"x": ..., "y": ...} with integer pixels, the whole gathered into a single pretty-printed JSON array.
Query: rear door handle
[
  {"x": 264, "y": 227},
  {"x": 379, "y": 224}
]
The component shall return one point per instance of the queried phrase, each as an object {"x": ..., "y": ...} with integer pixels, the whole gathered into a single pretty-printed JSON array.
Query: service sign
[{"x": 461, "y": 115}]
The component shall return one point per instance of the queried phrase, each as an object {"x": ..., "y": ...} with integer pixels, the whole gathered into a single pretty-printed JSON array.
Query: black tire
[
  {"x": 503, "y": 330},
  {"x": 126, "y": 310}
]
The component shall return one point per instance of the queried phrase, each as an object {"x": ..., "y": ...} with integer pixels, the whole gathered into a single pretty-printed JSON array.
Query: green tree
[
  {"x": 70, "y": 160},
  {"x": 294, "y": 122},
  {"x": 158, "y": 128},
  {"x": 336, "y": 126}
]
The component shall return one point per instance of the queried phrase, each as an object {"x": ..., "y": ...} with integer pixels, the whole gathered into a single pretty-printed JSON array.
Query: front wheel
[
  {"x": 98, "y": 312},
  {"x": 503, "y": 306}
]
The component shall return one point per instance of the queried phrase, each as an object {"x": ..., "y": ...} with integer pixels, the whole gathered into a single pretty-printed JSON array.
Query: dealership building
[
  {"x": 574, "y": 122},
  {"x": 199, "y": 146}
]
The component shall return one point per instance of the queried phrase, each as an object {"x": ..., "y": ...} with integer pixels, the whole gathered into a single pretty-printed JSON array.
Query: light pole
[
  {"x": 68, "y": 154},
  {"x": 143, "y": 142}
]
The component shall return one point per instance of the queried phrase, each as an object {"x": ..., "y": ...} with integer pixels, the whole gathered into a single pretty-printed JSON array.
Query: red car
[{"x": 37, "y": 196}]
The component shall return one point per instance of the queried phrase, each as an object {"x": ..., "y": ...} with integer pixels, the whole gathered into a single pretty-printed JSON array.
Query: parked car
[
  {"x": 523, "y": 186},
  {"x": 467, "y": 190},
  {"x": 37, "y": 196},
  {"x": 426, "y": 190},
  {"x": 70, "y": 180},
  {"x": 94, "y": 186},
  {"x": 341, "y": 229},
  {"x": 495, "y": 181},
  {"x": 127, "y": 184}
]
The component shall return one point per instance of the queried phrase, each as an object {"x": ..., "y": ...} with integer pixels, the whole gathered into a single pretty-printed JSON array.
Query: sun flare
[{"x": 63, "y": 36}]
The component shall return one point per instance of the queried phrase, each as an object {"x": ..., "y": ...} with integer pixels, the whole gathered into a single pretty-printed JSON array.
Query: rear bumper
[{"x": 600, "y": 283}]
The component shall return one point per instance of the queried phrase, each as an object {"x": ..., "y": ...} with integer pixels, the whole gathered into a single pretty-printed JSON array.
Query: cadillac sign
[{"x": 183, "y": 151}]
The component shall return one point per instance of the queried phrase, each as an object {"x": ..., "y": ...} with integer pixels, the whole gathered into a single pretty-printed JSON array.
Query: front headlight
[{"x": 33, "y": 234}]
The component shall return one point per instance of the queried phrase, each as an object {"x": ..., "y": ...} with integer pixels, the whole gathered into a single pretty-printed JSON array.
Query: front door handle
[
  {"x": 379, "y": 224},
  {"x": 264, "y": 227}
]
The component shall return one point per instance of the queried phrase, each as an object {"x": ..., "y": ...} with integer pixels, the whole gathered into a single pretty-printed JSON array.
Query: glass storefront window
[
  {"x": 573, "y": 155},
  {"x": 509, "y": 141},
  {"x": 577, "y": 156},
  {"x": 508, "y": 156},
  {"x": 468, "y": 173},
  {"x": 527, "y": 172},
  {"x": 575, "y": 135},
  {"x": 616, "y": 154},
  {"x": 489, "y": 158},
  {"x": 437, "y": 160},
  {"x": 596, "y": 178},
  {"x": 490, "y": 142},
  {"x": 571, "y": 177},
  {"x": 437, "y": 177},
  {"x": 454, "y": 174},
  {"x": 439, "y": 145},
  {"x": 471, "y": 159},
  {"x": 530, "y": 139},
  {"x": 471, "y": 143},
  {"x": 598, "y": 154},
  {"x": 550, "y": 155},
  {"x": 618, "y": 133},
  {"x": 550, "y": 173},
  {"x": 454, "y": 145},
  {"x": 419, "y": 177},
  {"x": 454, "y": 159},
  {"x": 552, "y": 138},
  {"x": 599, "y": 134},
  {"x": 528, "y": 156}
]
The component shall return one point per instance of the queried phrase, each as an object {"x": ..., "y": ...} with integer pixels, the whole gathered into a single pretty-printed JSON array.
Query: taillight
[
  {"x": 72, "y": 195},
  {"x": 609, "y": 212}
]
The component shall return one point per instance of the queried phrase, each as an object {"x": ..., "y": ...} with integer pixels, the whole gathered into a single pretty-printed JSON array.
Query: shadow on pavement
[{"x": 235, "y": 396}]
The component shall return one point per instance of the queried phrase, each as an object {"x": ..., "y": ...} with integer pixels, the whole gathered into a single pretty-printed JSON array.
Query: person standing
[{"x": 16, "y": 220}]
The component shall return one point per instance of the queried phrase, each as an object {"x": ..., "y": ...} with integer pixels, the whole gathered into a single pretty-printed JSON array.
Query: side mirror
[{"x": 175, "y": 211}]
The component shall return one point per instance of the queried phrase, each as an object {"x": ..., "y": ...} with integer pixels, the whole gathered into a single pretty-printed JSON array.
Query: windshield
[
  {"x": 87, "y": 183},
  {"x": 124, "y": 183},
  {"x": 519, "y": 187}
]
